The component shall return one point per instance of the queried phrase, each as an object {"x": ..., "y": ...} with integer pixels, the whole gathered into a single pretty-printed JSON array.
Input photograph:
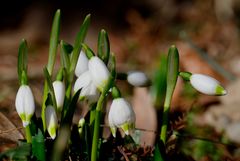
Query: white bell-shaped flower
[
  {"x": 207, "y": 85},
  {"x": 82, "y": 64},
  {"x": 121, "y": 115},
  {"x": 25, "y": 104},
  {"x": 51, "y": 121},
  {"x": 137, "y": 79},
  {"x": 88, "y": 89},
  {"x": 59, "y": 91},
  {"x": 99, "y": 72}
]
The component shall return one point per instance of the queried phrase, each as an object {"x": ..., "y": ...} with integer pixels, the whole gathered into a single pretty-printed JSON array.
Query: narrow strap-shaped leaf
[
  {"x": 112, "y": 66},
  {"x": 78, "y": 44},
  {"x": 22, "y": 59},
  {"x": 54, "y": 39},
  {"x": 172, "y": 70},
  {"x": 66, "y": 50},
  {"x": 88, "y": 51},
  {"x": 71, "y": 109},
  {"x": 172, "y": 75},
  {"x": 158, "y": 89},
  {"x": 103, "y": 46},
  {"x": 50, "y": 87}
]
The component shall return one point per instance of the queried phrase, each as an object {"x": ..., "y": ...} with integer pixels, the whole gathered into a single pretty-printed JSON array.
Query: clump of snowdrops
[{"x": 90, "y": 77}]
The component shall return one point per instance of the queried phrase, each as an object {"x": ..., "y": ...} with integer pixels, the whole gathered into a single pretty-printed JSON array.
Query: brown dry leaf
[{"x": 9, "y": 133}]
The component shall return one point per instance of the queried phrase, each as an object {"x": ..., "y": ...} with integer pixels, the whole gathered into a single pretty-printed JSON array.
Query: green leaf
[
  {"x": 38, "y": 146},
  {"x": 66, "y": 50},
  {"x": 78, "y": 44},
  {"x": 112, "y": 66},
  {"x": 172, "y": 75},
  {"x": 72, "y": 106},
  {"x": 50, "y": 87},
  {"x": 103, "y": 46},
  {"x": 88, "y": 51},
  {"x": 22, "y": 60},
  {"x": 54, "y": 39},
  {"x": 172, "y": 71},
  {"x": 158, "y": 154},
  {"x": 159, "y": 83},
  {"x": 20, "y": 153}
]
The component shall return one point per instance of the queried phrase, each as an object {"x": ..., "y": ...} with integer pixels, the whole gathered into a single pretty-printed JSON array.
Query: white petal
[
  {"x": 99, "y": 72},
  {"x": 137, "y": 79},
  {"x": 121, "y": 112},
  {"x": 59, "y": 90},
  {"x": 24, "y": 103},
  {"x": 82, "y": 64},
  {"x": 206, "y": 84},
  {"x": 82, "y": 81},
  {"x": 51, "y": 121}
]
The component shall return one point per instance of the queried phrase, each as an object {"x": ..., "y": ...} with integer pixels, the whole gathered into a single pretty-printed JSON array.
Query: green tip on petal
[
  {"x": 125, "y": 128},
  {"x": 52, "y": 132},
  {"x": 113, "y": 131},
  {"x": 220, "y": 91}
]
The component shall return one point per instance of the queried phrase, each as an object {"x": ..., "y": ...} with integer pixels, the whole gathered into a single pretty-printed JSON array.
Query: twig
[{"x": 123, "y": 153}]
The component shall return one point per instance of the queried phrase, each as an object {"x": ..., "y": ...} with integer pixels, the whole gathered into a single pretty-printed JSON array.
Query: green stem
[
  {"x": 97, "y": 127},
  {"x": 45, "y": 93},
  {"x": 98, "y": 117},
  {"x": 165, "y": 119},
  {"x": 28, "y": 134}
]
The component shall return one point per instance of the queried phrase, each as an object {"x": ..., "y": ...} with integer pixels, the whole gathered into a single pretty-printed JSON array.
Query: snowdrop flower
[
  {"x": 121, "y": 115},
  {"x": 99, "y": 72},
  {"x": 82, "y": 64},
  {"x": 59, "y": 91},
  {"x": 25, "y": 104},
  {"x": 137, "y": 79},
  {"x": 207, "y": 85},
  {"x": 51, "y": 121},
  {"x": 88, "y": 89}
]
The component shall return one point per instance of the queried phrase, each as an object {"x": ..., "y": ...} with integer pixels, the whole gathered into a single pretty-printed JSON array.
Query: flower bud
[
  {"x": 25, "y": 104},
  {"x": 82, "y": 64},
  {"x": 88, "y": 89},
  {"x": 137, "y": 79},
  {"x": 99, "y": 72},
  {"x": 59, "y": 91},
  {"x": 51, "y": 121},
  {"x": 207, "y": 85},
  {"x": 121, "y": 115}
]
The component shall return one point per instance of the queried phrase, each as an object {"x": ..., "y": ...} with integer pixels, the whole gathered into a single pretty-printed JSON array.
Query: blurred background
[{"x": 206, "y": 33}]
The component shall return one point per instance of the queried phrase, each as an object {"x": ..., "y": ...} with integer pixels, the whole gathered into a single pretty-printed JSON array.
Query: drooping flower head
[
  {"x": 59, "y": 91},
  {"x": 121, "y": 115},
  {"x": 207, "y": 85},
  {"x": 51, "y": 121},
  {"x": 88, "y": 89},
  {"x": 137, "y": 79},
  {"x": 25, "y": 104},
  {"x": 99, "y": 72}
]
